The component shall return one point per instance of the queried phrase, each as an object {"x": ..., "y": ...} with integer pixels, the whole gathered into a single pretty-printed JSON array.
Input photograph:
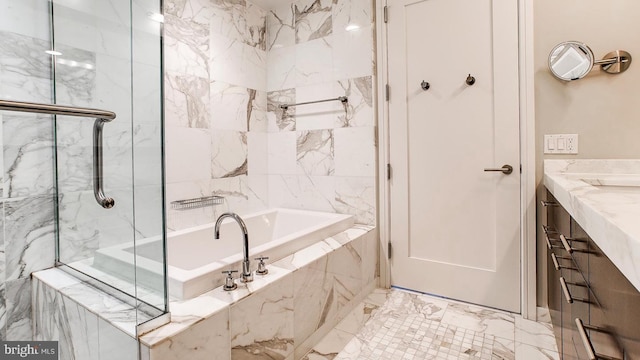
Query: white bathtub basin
[{"x": 196, "y": 259}]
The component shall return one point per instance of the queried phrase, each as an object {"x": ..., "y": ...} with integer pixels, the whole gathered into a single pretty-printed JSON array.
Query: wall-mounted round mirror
[{"x": 571, "y": 60}]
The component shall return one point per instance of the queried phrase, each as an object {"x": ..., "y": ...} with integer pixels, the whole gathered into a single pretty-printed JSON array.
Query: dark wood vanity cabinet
[{"x": 607, "y": 304}]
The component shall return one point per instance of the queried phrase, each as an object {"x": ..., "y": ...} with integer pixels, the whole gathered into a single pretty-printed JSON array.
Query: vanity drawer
[{"x": 617, "y": 308}]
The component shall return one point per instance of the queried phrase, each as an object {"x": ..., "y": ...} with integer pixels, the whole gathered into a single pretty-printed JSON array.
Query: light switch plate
[{"x": 561, "y": 144}]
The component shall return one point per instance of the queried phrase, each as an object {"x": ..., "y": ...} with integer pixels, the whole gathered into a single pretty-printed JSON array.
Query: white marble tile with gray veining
[
  {"x": 315, "y": 62},
  {"x": 229, "y": 153},
  {"x": 262, "y": 325},
  {"x": 29, "y": 236},
  {"x": 237, "y": 63},
  {"x": 281, "y": 119},
  {"x": 315, "y": 298},
  {"x": 18, "y": 309},
  {"x": 281, "y": 68},
  {"x": 186, "y": 101},
  {"x": 359, "y": 109},
  {"x": 241, "y": 21},
  {"x": 356, "y": 196},
  {"x": 231, "y": 106},
  {"x": 75, "y": 81},
  {"x": 27, "y": 155},
  {"x": 242, "y": 193},
  {"x": 281, "y": 30},
  {"x": 24, "y": 77},
  {"x": 186, "y": 46},
  {"x": 315, "y": 152},
  {"x": 350, "y": 14},
  {"x": 313, "y": 19},
  {"x": 353, "y": 53},
  {"x": 303, "y": 192},
  {"x": 61, "y": 319},
  {"x": 355, "y": 151},
  {"x": 499, "y": 324},
  {"x": 258, "y": 121},
  {"x": 196, "y": 11}
]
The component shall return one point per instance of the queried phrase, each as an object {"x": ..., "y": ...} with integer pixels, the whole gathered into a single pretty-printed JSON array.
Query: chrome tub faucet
[{"x": 247, "y": 276}]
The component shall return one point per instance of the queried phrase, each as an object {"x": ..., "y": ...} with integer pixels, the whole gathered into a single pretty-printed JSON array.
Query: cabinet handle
[
  {"x": 557, "y": 265},
  {"x": 568, "y": 247},
  {"x": 567, "y": 295},
  {"x": 550, "y": 245},
  {"x": 565, "y": 243},
  {"x": 586, "y": 341},
  {"x": 546, "y": 203},
  {"x": 548, "y": 230}
]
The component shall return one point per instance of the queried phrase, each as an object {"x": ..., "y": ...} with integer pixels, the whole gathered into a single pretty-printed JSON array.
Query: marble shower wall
[
  {"x": 84, "y": 77},
  {"x": 322, "y": 156},
  {"x": 215, "y": 106},
  {"x": 229, "y": 64},
  {"x": 27, "y": 238}
]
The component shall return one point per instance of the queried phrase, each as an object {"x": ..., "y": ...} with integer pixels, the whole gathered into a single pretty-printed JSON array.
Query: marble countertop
[{"x": 603, "y": 196}]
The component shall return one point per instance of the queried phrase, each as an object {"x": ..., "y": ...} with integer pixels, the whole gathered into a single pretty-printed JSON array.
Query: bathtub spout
[{"x": 247, "y": 276}]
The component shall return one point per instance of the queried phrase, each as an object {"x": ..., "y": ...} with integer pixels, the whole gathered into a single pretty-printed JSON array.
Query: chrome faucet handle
[
  {"x": 229, "y": 284},
  {"x": 262, "y": 267}
]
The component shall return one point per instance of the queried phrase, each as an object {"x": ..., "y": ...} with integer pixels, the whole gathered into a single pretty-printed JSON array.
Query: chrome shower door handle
[
  {"x": 98, "y": 191},
  {"x": 505, "y": 169}
]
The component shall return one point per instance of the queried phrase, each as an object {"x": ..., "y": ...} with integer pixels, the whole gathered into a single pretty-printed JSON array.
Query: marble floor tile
[
  {"x": 481, "y": 319},
  {"x": 530, "y": 352},
  {"x": 398, "y": 324},
  {"x": 537, "y": 334}
]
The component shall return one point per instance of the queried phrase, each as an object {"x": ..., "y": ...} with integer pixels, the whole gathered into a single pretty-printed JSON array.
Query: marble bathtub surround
[
  {"x": 607, "y": 213},
  {"x": 396, "y": 324},
  {"x": 272, "y": 316}
]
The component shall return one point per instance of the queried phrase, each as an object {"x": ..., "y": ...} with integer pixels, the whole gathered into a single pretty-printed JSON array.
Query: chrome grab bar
[
  {"x": 53, "y": 109},
  {"x": 342, "y": 99},
  {"x": 98, "y": 192},
  {"x": 102, "y": 116}
]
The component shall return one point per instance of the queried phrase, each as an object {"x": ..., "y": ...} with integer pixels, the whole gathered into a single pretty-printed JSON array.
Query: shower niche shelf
[{"x": 196, "y": 203}]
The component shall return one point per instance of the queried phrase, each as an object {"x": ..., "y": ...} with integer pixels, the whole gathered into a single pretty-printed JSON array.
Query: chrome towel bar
[
  {"x": 101, "y": 116},
  {"x": 342, "y": 99}
]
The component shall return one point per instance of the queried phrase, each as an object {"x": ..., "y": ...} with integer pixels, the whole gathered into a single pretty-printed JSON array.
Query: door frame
[{"x": 527, "y": 153}]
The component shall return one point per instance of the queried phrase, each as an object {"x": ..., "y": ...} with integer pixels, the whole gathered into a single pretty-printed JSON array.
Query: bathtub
[{"x": 196, "y": 260}]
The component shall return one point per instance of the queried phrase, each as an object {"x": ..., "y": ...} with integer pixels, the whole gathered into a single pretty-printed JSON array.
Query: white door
[{"x": 455, "y": 228}]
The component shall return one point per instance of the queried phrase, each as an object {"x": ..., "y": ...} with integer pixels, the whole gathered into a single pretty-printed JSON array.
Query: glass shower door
[{"x": 108, "y": 56}]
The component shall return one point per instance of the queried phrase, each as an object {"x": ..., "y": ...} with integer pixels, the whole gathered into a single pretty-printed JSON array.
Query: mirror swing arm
[{"x": 573, "y": 60}]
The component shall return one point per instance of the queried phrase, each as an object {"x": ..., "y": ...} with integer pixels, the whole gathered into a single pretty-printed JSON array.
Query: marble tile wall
[
  {"x": 27, "y": 239},
  {"x": 216, "y": 103},
  {"x": 94, "y": 71},
  {"x": 229, "y": 65},
  {"x": 322, "y": 156}
]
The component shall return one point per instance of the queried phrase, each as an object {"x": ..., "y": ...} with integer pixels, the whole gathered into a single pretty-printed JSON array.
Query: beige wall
[{"x": 603, "y": 109}]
